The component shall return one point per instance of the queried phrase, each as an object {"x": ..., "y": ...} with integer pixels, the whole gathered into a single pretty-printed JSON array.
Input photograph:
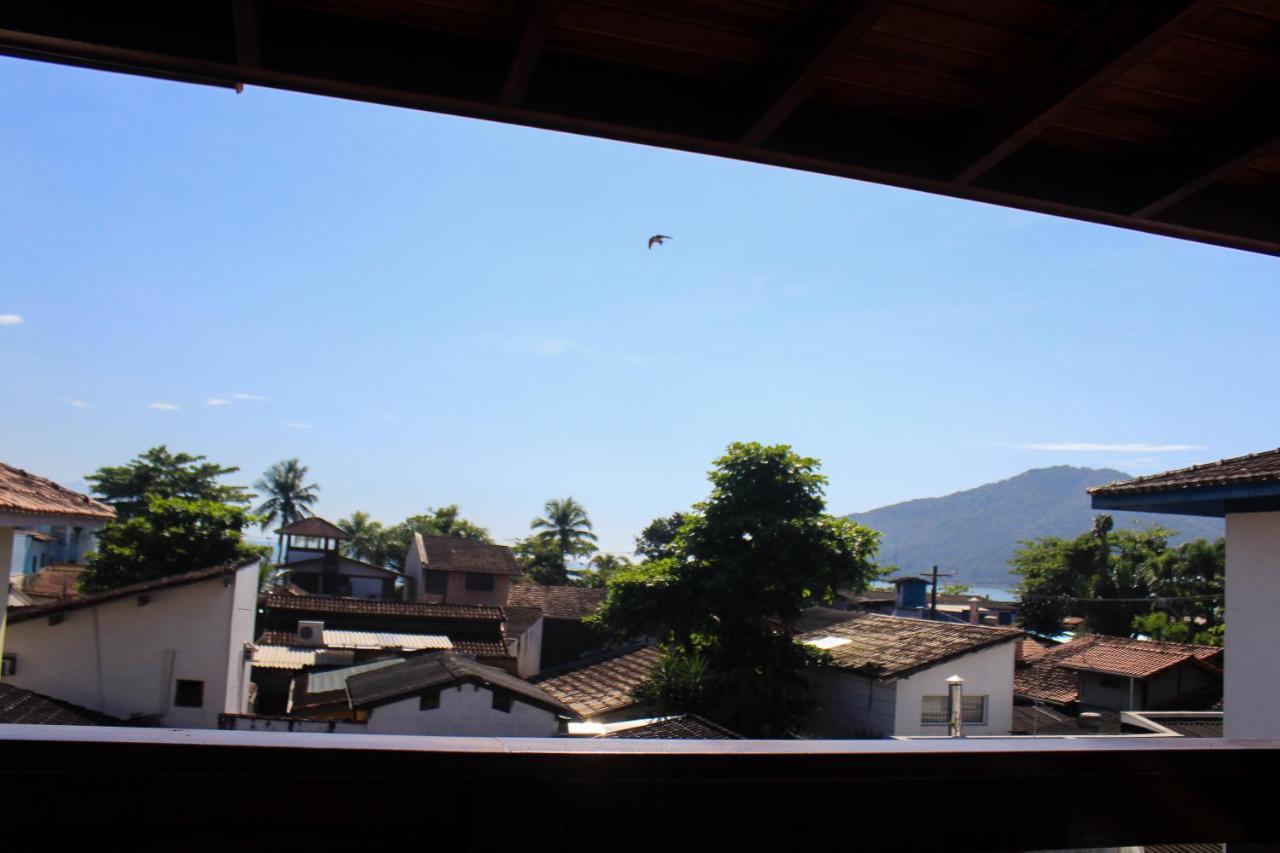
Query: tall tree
[
  {"x": 600, "y": 568},
  {"x": 158, "y": 472},
  {"x": 540, "y": 561},
  {"x": 741, "y": 568},
  {"x": 289, "y": 495},
  {"x": 368, "y": 537},
  {"x": 1110, "y": 578},
  {"x": 654, "y": 542},
  {"x": 567, "y": 526},
  {"x": 170, "y": 536}
]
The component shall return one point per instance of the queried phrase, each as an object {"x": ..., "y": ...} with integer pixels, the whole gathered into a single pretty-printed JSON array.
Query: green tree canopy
[
  {"x": 540, "y": 561},
  {"x": 170, "y": 536},
  {"x": 368, "y": 538},
  {"x": 742, "y": 566},
  {"x": 158, "y": 472},
  {"x": 1114, "y": 579},
  {"x": 600, "y": 569},
  {"x": 655, "y": 541},
  {"x": 567, "y": 527},
  {"x": 289, "y": 496}
]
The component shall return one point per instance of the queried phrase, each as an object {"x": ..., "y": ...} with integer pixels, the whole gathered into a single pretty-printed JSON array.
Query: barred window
[{"x": 935, "y": 710}]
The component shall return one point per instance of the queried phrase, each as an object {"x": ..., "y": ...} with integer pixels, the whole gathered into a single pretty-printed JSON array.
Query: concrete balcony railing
[{"x": 137, "y": 785}]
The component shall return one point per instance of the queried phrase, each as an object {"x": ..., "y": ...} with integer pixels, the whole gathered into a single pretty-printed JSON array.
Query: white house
[
  {"x": 431, "y": 694},
  {"x": 31, "y": 505},
  {"x": 1245, "y": 491},
  {"x": 888, "y": 677},
  {"x": 173, "y": 650}
]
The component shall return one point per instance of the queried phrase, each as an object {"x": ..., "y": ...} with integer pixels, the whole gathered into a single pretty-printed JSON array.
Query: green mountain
[{"x": 974, "y": 533}]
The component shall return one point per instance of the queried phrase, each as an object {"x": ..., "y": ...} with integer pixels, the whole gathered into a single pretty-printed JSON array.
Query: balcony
[{"x": 509, "y": 794}]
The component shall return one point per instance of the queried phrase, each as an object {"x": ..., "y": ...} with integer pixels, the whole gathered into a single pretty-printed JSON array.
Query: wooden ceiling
[{"x": 1157, "y": 115}]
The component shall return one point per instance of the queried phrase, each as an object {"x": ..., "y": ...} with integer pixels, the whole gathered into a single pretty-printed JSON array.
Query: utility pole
[{"x": 933, "y": 593}]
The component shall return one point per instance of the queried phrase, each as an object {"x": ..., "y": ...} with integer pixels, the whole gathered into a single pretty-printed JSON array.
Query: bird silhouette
[{"x": 659, "y": 239}]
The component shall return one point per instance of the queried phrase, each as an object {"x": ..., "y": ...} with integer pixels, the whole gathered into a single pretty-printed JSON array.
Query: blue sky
[{"x": 428, "y": 310}]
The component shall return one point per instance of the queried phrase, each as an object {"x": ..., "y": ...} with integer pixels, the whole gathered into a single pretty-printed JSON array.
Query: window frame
[
  {"x": 435, "y": 575},
  {"x": 181, "y": 684}
]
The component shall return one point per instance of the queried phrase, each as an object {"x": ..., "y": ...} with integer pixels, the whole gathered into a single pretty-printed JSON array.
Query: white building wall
[
  {"x": 987, "y": 672},
  {"x": 1252, "y": 686},
  {"x": 292, "y": 724},
  {"x": 528, "y": 650},
  {"x": 850, "y": 705},
  {"x": 465, "y": 710},
  {"x": 125, "y": 660}
]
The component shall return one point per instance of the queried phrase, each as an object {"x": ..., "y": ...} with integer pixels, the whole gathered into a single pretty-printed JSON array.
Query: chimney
[
  {"x": 955, "y": 694},
  {"x": 974, "y": 617}
]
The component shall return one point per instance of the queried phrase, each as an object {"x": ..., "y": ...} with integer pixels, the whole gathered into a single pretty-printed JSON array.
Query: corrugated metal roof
[
  {"x": 384, "y": 640},
  {"x": 328, "y": 682},
  {"x": 283, "y": 657}
]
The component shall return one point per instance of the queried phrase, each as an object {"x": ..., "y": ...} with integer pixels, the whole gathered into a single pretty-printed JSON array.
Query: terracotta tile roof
[
  {"x": 24, "y": 707},
  {"x": 519, "y": 620},
  {"x": 601, "y": 683},
  {"x": 1053, "y": 675},
  {"x": 815, "y": 618},
  {"x": 1032, "y": 649},
  {"x": 56, "y": 582},
  {"x": 686, "y": 727},
  {"x": 481, "y": 648},
  {"x": 27, "y": 494},
  {"x": 451, "y": 554},
  {"x": 893, "y": 647},
  {"x": 78, "y": 602},
  {"x": 557, "y": 602},
  {"x": 322, "y": 604},
  {"x": 1188, "y": 725},
  {"x": 1261, "y": 467},
  {"x": 314, "y": 527},
  {"x": 438, "y": 670},
  {"x": 1130, "y": 658}
]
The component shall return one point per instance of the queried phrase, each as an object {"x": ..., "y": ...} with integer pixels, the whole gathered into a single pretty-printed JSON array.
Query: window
[
  {"x": 429, "y": 701},
  {"x": 437, "y": 583},
  {"x": 189, "y": 694},
  {"x": 479, "y": 582},
  {"x": 1115, "y": 682},
  {"x": 502, "y": 701},
  {"x": 936, "y": 710},
  {"x": 9, "y": 665}
]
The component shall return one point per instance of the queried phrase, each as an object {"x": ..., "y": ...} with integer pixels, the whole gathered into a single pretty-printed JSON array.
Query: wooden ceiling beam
[
  {"x": 809, "y": 57},
  {"x": 536, "y": 17},
  {"x": 1253, "y": 132},
  {"x": 1110, "y": 40}
]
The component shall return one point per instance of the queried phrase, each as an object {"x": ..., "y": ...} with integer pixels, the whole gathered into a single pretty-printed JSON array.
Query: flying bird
[{"x": 659, "y": 239}]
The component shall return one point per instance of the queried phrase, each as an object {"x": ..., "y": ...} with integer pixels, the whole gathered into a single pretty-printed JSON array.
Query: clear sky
[{"x": 429, "y": 310}]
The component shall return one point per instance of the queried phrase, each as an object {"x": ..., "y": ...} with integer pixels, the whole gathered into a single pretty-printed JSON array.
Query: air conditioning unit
[{"x": 310, "y": 632}]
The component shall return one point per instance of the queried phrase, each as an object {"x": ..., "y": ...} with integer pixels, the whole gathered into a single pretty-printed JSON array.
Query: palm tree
[
  {"x": 568, "y": 526},
  {"x": 367, "y": 536},
  {"x": 290, "y": 498}
]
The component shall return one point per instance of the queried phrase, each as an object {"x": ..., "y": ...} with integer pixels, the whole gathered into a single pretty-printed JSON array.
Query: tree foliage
[
  {"x": 655, "y": 541},
  {"x": 436, "y": 521},
  {"x": 540, "y": 561},
  {"x": 1116, "y": 579},
  {"x": 566, "y": 527},
  {"x": 600, "y": 568},
  {"x": 157, "y": 472},
  {"x": 742, "y": 563},
  {"x": 368, "y": 538},
  {"x": 289, "y": 496},
  {"x": 170, "y": 536}
]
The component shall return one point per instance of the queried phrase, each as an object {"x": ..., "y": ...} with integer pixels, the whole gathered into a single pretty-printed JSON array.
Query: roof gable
[
  {"x": 410, "y": 676},
  {"x": 1053, "y": 674},
  {"x": 314, "y": 527}
]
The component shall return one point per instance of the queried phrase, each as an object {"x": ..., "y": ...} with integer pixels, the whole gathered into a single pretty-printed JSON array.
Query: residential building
[
  {"x": 524, "y": 632},
  {"x": 312, "y": 562},
  {"x": 52, "y": 583},
  {"x": 888, "y": 677},
  {"x": 565, "y": 637},
  {"x": 910, "y": 596},
  {"x": 434, "y": 694},
  {"x": 173, "y": 650},
  {"x": 1096, "y": 672},
  {"x": 28, "y": 504},
  {"x": 602, "y": 688},
  {"x": 449, "y": 570},
  {"x": 1244, "y": 490}
]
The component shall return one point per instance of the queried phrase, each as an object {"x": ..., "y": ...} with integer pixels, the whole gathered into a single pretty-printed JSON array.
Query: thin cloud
[
  {"x": 554, "y": 346},
  {"x": 295, "y": 425},
  {"x": 10, "y": 320},
  {"x": 1089, "y": 447},
  {"x": 164, "y": 407},
  {"x": 217, "y": 401},
  {"x": 240, "y": 395},
  {"x": 79, "y": 404}
]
